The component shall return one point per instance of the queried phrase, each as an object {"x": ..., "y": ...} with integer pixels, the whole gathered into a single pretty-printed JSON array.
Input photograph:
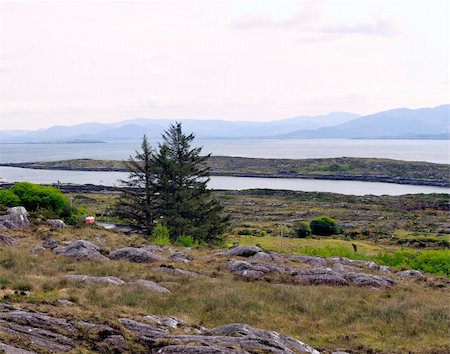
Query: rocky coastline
[{"x": 382, "y": 178}]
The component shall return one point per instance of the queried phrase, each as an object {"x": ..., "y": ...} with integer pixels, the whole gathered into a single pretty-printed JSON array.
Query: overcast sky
[{"x": 72, "y": 62}]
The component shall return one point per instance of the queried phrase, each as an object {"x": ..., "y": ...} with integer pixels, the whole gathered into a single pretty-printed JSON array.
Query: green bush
[
  {"x": 160, "y": 235},
  {"x": 34, "y": 197},
  {"x": 324, "y": 226},
  {"x": 302, "y": 229},
  {"x": 8, "y": 198},
  {"x": 428, "y": 261},
  {"x": 186, "y": 241}
]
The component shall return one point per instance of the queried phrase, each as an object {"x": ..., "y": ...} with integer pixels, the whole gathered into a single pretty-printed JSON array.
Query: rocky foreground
[
  {"x": 39, "y": 332},
  {"x": 51, "y": 328}
]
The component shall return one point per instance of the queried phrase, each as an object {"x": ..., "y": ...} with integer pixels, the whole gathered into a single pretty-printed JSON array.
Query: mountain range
[{"x": 402, "y": 123}]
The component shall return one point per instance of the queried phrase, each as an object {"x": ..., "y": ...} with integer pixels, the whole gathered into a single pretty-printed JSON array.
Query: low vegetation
[
  {"x": 351, "y": 168},
  {"x": 406, "y": 232},
  {"x": 411, "y": 317}
]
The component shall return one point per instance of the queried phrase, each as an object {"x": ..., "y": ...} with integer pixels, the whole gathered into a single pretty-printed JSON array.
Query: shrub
[
  {"x": 8, "y": 198},
  {"x": 186, "y": 241},
  {"x": 245, "y": 232},
  {"x": 302, "y": 229},
  {"x": 324, "y": 226},
  {"x": 428, "y": 261},
  {"x": 160, "y": 235},
  {"x": 34, "y": 197}
]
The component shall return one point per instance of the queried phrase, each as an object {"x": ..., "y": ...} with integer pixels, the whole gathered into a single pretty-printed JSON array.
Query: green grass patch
[{"x": 428, "y": 261}]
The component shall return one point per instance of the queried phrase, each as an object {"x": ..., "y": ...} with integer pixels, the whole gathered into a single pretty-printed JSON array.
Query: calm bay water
[
  {"x": 411, "y": 150},
  {"x": 436, "y": 151},
  {"x": 12, "y": 174}
]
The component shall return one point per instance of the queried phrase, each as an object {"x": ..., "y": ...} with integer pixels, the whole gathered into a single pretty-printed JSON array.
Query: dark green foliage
[
  {"x": 302, "y": 229},
  {"x": 8, "y": 198},
  {"x": 170, "y": 186},
  {"x": 187, "y": 205},
  {"x": 138, "y": 202},
  {"x": 324, "y": 226},
  {"x": 44, "y": 199}
]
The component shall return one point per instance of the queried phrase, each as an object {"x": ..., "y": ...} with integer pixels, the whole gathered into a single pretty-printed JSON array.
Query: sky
[{"x": 63, "y": 63}]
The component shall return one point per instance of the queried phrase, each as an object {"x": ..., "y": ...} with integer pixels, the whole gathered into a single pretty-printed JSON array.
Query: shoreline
[{"x": 278, "y": 168}]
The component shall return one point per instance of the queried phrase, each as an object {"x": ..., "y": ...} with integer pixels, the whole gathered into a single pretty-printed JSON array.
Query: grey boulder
[
  {"x": 16, "y": 217},
  {"x": 410, "y": 273},
  {"x": 49, "y": 243},
  {"x": 137, "y": 255},
  {"x": 81, "y": 250},
  {"x": 319, "y": 276},
  {"x": 56, "y": 224},
  {"x": 7, "y": 240},
  {"x": 150, "y": 285},
  {"x": 95, "y": 280},
  {"x": 175, "y": 271},
  {"x": 242, "y": 251}
]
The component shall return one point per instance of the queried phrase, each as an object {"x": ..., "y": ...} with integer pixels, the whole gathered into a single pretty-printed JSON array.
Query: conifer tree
[
  {"x": 187, "y": 205},
  {"x": 138, "y": 202},
  {"x": 170, "y": 186}
]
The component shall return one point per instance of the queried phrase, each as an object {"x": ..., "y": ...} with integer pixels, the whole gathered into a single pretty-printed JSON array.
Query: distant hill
[
  {"x": 402, "y": 123},
  {"x": 135, "y": 128}
]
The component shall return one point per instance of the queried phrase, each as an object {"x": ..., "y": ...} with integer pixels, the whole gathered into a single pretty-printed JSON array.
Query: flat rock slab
[
  {"x": 44, "y": 333},
  {"x": 361, "y": 279},
  {"x": 175, "y": 271},
  {"x": 179, "y": 257},
  {"x": 140, "y": 329},
  {"x": 150, "y": 285},
  {"x": 7, "y": 349},
  {"x": 243, "y": 330},
  {"x": 137, "y": 255},
  {"x": 243, "y": 251},
  {"x": 7, "y": 240},
  {"x": 342, "y": 276},
  {"x": 95, "y": 280},
  {"x": 191, "y": 349},
  {"x": 81, "y": 250},
  {"x": 319, "y": 276},
  {"x": 45, "y": 339},
  {"x": 411, "y": 273}
]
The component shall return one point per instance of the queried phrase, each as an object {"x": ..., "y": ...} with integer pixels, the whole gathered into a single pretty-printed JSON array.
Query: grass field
[{"x": 410, "y": 317}]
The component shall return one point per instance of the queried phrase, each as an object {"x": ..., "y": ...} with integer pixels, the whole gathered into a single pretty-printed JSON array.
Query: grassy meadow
[{"x": 411, "y": 317}]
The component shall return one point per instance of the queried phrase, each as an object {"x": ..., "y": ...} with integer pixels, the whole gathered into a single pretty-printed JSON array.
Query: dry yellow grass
[{"x": 410, "y": 317}]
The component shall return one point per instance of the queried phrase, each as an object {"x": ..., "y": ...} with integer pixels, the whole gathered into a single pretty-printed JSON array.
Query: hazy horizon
[{"x": 66, "y": 63}]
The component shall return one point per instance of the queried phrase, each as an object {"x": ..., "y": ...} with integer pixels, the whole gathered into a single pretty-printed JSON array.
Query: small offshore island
[{"x": 344, "y": 168}]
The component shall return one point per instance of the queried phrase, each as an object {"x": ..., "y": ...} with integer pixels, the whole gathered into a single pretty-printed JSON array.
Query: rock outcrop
[
  {"x": 16, "y": 217},
  {"x": 307, "y": 276},
  {"x": 174, "y": 271},
  {"x": 137, "y": 255},
  {"x": 410, "y": 273},
  {"x": 56, "y": 224},
  {"x": 7, "y": 240},
  {"x": 150, "y": 285},
  {"x": 109, "y": 280},
  {"x": 242, "y": 251},
  {"x": 81, "y": 250},
  {"x": 95, "y": 280}
]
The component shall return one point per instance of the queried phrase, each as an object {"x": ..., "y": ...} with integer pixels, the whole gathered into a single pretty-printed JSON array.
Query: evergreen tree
[
  {"x": 138, "y": 202},
  {"x": 186, "y": 204},
  {"x": 170, "y": 186}
]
